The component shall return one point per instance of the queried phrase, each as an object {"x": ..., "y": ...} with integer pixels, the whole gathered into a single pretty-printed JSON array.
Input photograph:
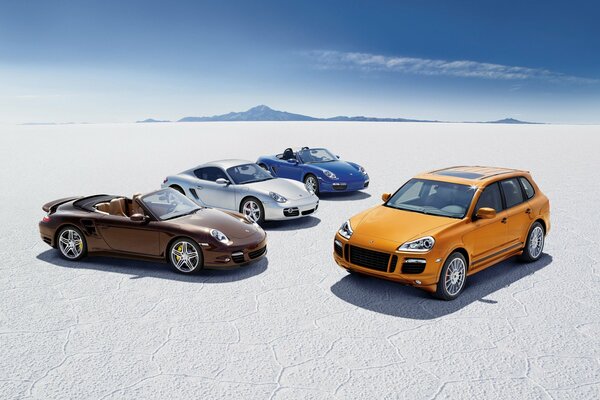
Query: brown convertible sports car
[{"x": 163, "y": 225}]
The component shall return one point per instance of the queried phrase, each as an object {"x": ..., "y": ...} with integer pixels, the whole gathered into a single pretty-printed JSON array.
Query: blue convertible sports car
[{"x": 318, "y": 168}]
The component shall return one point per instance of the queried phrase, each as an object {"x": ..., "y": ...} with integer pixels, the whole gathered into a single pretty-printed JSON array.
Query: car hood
[
  {"x": 397, "y": 225},
  {"x": 228, "y": 223},
  {"x": 341, "y": 169},
  {"x": 288, "y": 188}
]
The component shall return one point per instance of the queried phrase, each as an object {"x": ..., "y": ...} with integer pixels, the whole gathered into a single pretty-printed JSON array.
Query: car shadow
[
  {"x": 150, "y": 269},
  {"x": 409, "y": 302},
  {"x": 344, "y": 196},
  {"x": 292, "y": 224}
]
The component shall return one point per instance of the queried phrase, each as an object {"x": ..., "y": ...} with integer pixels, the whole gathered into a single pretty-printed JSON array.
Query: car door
[
  {"x": 487, "y": 238},
  {"x": 213, "y": 194},
  {"x": 518, "y": 211},
  {"x": 126, "y": 236},
  {"x": 290, "y": 169}
]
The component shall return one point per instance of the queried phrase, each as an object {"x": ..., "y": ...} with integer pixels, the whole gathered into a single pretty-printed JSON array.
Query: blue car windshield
[
  {"x": 309, "y": 156},
  {"x": 433, "y": 197},
  {"x": 248, "y": 173}
]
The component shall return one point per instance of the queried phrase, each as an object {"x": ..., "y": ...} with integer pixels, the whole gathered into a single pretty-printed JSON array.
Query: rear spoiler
[{"x": 51, "y": 206}]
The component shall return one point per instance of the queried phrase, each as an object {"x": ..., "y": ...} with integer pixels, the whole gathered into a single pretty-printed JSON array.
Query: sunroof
[{"x": 460, "y": 174}]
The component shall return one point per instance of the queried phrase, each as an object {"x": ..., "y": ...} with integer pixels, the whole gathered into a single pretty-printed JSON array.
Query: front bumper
[
  {"x": 291, "y": 209},
  {"x": 343, "y": 185},
  {"x": 381, "y": 260},
  {"x": 234, "y": 256}
]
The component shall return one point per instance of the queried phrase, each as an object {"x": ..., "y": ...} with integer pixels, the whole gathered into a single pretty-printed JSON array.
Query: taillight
[{"x": 46, "y": 218}]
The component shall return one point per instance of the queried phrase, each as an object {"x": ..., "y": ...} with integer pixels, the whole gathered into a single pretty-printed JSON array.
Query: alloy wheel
[
  {"x": 455, "y": 276},
  {"x": 184, "y": 256},
  {"x": 536, "y": 242},
  {"x": 251, "y": 210},
  {"x": 70, "y": 243},
  {"x": 311, "y": 184}
]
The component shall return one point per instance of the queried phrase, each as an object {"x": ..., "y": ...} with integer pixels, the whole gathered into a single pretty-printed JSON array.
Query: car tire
[
  {"x": 185, "y": 256},
  {"x": 311, "y": 183},
  {"x": 71, "y": 243},
  {"x": 252, "y": 208},
  {"x": 453, "y": 277},
  {"x": 178, "y": 188},
  {"x": 534, "y": 245}
]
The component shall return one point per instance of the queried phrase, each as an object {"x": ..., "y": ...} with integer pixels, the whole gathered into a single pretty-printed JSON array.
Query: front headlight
[
  {"x": 346, "y": 230},
  {"x": 277, "y": 197},
  {"x": 220, "y": 236},
  {"x": 362, "y": 170},
  {"x": 329, "y": 174},
  {"x": 421, "y": 245}
]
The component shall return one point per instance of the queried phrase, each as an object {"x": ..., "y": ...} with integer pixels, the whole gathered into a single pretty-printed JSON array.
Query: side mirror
[
  {"x": 137, "y": 218},
  {"x": 222, "y": 181},
  {"x": 486, "y": 213},
  {"x": 292, "y": 161},
  {"x": 385, "y": 197}
]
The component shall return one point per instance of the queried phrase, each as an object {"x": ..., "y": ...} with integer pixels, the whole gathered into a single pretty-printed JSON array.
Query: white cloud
[{"x": 425, "y": 66}]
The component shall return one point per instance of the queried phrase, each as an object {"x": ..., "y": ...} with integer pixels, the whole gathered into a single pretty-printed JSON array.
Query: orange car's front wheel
[{"x": 452, "y": 278}]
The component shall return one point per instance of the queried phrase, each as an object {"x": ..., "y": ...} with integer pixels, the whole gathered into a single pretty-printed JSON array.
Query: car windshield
[
  {"x": 433, "y": 197},
  {"x": 309, "y": 156},
  {"x": 248, "y": 173},
  {"x": 168, "y": 204}
]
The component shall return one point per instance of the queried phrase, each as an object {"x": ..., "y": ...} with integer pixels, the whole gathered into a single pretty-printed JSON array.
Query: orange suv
[{"x": 445, "y": 225}]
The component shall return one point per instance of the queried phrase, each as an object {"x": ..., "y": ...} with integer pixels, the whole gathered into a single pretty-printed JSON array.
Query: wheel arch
[
  {"x": 64, "y": 225},
  {"x": 542, "y": 222}
]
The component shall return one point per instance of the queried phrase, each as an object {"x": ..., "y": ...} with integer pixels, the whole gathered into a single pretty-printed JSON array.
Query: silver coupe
[{"x": 244, "y": 187}]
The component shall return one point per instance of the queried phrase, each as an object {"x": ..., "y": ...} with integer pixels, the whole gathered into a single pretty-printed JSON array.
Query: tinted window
[
  {"x": 529, "y": 191},
  {"x": 210, "y": 174},
  {"x": 432, "y": 197},
  {"x": 512, "y": 192},
  {"x": 490, "y": 198}
]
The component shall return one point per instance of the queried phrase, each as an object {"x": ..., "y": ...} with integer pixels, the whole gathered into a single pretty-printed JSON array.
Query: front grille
[
  {"x": 393, "y": 263},
  {"x": 346, "y": 251},
  {"x": 308, "y": 212},
  {"x": 369, "y": 258},
  {"x": 338, "y": 249},
  {"x": 257, "y": 253},
  {"x": 238, "y": 257},
  {"x": 291, "y": 212},
  {"x": 340, "y": 186},
  {"x": 413, "y": 268}
]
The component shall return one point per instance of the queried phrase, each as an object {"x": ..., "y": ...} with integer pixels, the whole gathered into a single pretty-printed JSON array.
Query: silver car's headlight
[
  {"x": 277, "y": 197},
  {"x": 329, "y": 174},
  {"x": 421, "y": 245},
  {"x": 346, "y": 230},
  {"x": 220, "y": 236}
]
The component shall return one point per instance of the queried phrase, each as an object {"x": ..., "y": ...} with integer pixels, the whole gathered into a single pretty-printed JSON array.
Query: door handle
[
  {"x": 504, "y": 220},
  {"x": 528, "y": 211}
]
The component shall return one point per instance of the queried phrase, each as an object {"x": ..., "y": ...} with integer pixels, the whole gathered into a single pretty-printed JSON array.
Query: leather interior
[
  {"x": 288, "y": 154},
  {"x": 118, "y": 207},
  {"x": 135, "y": 206},
  {"x": 103, "y": 207}
]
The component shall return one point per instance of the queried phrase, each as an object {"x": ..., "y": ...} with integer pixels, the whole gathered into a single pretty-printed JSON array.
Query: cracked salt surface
[{"x": 294, "y": 326}]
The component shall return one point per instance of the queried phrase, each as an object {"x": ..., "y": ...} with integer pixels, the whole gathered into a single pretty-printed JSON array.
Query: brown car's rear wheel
[
  {"x": 71, "y": 243},
  {"x": 185, "y": 256}
]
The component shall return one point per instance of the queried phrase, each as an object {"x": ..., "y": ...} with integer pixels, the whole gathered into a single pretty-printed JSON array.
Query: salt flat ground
[{"x": 294, "y": 326}]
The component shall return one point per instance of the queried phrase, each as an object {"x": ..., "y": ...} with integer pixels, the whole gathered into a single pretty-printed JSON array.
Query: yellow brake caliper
[{"x": 179, "y": 249}]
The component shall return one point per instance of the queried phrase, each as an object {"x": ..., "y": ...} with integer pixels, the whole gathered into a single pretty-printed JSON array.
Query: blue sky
[{"x": 120, "y": 61}]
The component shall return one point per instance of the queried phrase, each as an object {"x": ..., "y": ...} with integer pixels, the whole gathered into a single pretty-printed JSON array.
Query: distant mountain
[
  {"x": 510, "y": 121},
  {"x": 258, "y": 113},
  {"x": 264, "y": 113},
  {"x": 150, "y": 120}
]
